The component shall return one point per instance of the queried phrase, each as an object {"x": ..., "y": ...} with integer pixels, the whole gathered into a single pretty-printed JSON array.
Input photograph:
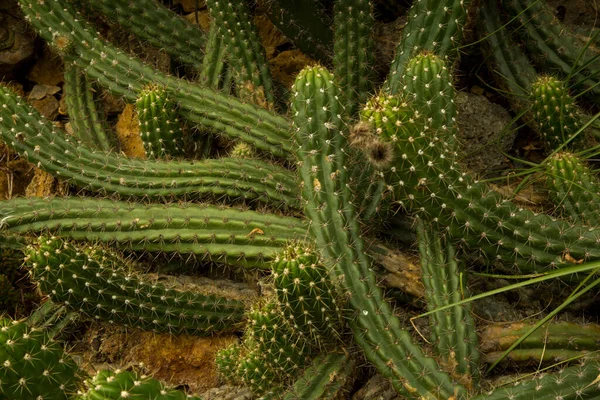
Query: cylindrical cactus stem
[
  {"x": 84, "y": 116},
  {"x": 214, "y": 66},
  {"x": 322, "y": 153},
  {"x": 223, "y": 235},
  {"x": 353, "y": 51},
  {"x": 326, "y": 378},
  {"x": 160, "y": 128},
  {"x": 245, "y": 51},
  {"x": 569, "y": 383},
  {"x": 426, "y": 180},
  {"x": 453, "y": 330},
  {"x": 117, "y": 385},
  {"x": 433, "y": 25},
  {"x": 94, "y": 282},
  {"x": 306, "y": 297},
  {"x": 228, "y": 361},
  {"x": 126, "y": 76},
  {"x": 574, "y": 188},
  {"x": 550, "y": 343},
  {"x": 33, "y": 365},
  {"x": 39, "y": 141},
  {"x": 554, "y": 111},
  {"x": 157, "y": 25}
]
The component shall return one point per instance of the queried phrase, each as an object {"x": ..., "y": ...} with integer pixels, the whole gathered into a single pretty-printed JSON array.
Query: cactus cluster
[{"x": 312, "y": 175}]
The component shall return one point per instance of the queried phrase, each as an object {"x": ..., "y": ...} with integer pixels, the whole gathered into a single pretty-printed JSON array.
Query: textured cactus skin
[
  {"x": 245, "y": 52},
  {"x": 160, "y": 128},
  {"x": 169, "y": 32},
  {"x": 245, "y": 238},
  {"x": 323, "y": 169},
  {"x": 33, "y": 365},
  {"x": 574, "y": 188},
  {"x": 554, "y": 342},
  {"x": 306, "y": 297},
  {"x": 453, "y": 330},
  {"x": 433, "y": 25},
  {"x": 117, "y": 385},
  {"x": 553, "y": 111},
  {"x": 84, "y": 115},
  {"x": 95, "y": 283}
]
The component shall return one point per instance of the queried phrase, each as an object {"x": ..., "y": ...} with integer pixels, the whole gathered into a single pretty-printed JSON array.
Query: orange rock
[{"x": 128, "y": 133}]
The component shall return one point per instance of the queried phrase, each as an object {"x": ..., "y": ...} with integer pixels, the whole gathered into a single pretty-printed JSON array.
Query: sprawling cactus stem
[
  {"x": 574, "y": 188},
  {"x": 323, "y": 163},
  {"x": 326, "y": 378},
  {"x": 157, "y": 25},
  {"x": 569, "y": 383},
  {"x": 553, "y": 342},
  {"x": 515, "y": 74},
  {"x": 226, "y": 235},
  {"x": 245, "y": 51},
  {"x": 39, "y": 141},
  {"x": 85, "y": 120},
  {"x": 554, "y": 111},
  {"x": 306, "y": 23},
  {"x": 95, "y": 282},
  {"x": 126, "y": 76},
  {"x": 433, "y": 25},
  {"x": 117, "y": 385},
  {"x": 33, "y": 365},
  {"x": 353, "y": 52},
  {"x": 453, "y": 330},
  {"x": 160, "y": 128},
  {"x": 426, "y": 180},
  {"x": 553, "y": 47}
]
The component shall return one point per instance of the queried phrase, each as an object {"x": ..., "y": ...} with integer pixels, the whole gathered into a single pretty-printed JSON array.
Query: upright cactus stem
[
  {"x": 328, "y": 197},
  {"x": 554, "y": 111},
  {"x": 160, "y": 129}
]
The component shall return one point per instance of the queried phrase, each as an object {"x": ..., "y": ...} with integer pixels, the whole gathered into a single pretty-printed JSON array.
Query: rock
[
  {"x": 482, "y": 132},
  {"x": 16, "y": 40},
  {"x": 227, "y": 392},
  {"x": 48, "y": 107},
  {"x": 47, "y": 70},
  {"x": 128, "y": 133},
  {"x": 203, "y": 17},
  {"x": 44, "y": 184},
  {"x": 189, "y": 6},
  {"x": 40, "y": 91},
  {"x": 377, "y": 388}
]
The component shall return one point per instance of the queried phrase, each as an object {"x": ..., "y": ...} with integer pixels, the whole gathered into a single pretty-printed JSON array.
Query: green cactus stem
[
  {"x": 433, "y": 25},
  {"x": 33, "y": 365},
  {"x": 553, "y": 47},
  {"x": 218, "y": 234},
  {"x": 453, "y": 330},
  {"x": 160, "y": 27},
  {"x": 306, "y": 23},
  {"x": 84, "y": 116},
  {"x": 554, "y": 111},
  {"x": 126, "y": 76},
  {"x": 553, "y": 342},
  {"x": 574, "y": 188},
  {"x": 305, "y": 295},
  {"x": 246, "y": 54},
  {"x": 117, "y": 385},
  {"x": 95, "y": 283},
  {"x": 214, "y": 67},
  {"x": 329, "y": 205},
  {"x": 160, "y": 128},
  {"x": 569, "y": 383},
  {"x": 37, "y": 139},
  {"x": 353, "y": 51},
  {"x": 426, "y": 180}
]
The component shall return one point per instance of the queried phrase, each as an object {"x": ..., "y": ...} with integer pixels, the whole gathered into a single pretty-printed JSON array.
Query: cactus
[
  {"x": 116, "y": 385},
  {"x": 573, "y": 188},
  {"x": 159, "y": 127},
  {"x": 318, "y": 186},
  {"x": 33, "y": 365},
  {"x": 95, "y": 283}
]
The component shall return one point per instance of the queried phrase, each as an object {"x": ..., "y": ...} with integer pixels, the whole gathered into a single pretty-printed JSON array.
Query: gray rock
[{"x": 484, "y": 132}]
